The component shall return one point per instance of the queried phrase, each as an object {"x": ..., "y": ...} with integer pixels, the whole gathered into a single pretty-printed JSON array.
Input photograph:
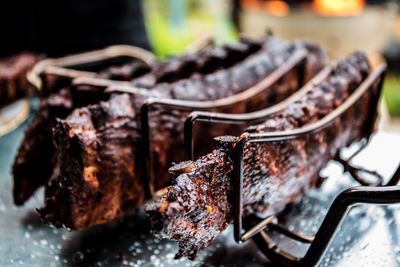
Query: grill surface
[{"x": 369, "y": 236}]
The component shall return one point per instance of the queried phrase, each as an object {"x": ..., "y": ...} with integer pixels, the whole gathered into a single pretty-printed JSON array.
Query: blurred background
[
  {"x": 172, "y": 27},
  {"x": 342, "y": 26}
]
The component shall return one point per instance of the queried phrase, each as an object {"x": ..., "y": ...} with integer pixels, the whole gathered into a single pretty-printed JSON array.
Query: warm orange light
[
  {"x": 251, "y": 4},
  {"x": 338, "y": 7},
  {"x": 277, "y": 8}
]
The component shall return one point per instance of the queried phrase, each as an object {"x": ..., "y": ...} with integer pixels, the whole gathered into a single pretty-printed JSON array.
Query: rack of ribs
[
  {"x": 36, "y": 158},
  {"x": 97, "y": 165},
  {"x": 199, "y": 204}
]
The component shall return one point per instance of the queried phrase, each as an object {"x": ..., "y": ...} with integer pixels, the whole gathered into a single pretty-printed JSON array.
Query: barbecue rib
[
  {"x": 35, "y": 158},
  {"x": 13, "y": 82},
  {"x": 167, "y": 127},
  {"x": 100, "y": 151},
  {"x": 80, "y": 190},
  {"x": 198, "y": 206},
  {"x": 31, "y": 171}
]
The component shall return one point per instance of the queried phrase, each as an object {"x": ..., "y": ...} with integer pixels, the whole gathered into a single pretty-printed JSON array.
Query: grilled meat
[
  {"x": 13, "y": 82},
  {"x": 79, "y": 148},
  {"x": 198, "y": 206}
]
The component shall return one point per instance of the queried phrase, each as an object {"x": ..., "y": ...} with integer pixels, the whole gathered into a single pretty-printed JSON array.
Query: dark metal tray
[{"x": 369, "y": 236}]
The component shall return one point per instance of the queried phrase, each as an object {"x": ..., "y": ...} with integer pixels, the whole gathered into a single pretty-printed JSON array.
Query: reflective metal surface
[
  {"x": 13, "y": 115},
  {"x": 369, "y": 236}
]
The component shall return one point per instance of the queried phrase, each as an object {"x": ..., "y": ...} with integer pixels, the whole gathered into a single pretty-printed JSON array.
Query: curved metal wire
[
  {"x": 357, "y": 171},
  {"x": 337, "y": 212},
  {"x": 296, "y": 62},
  {"x": 255, "y": 229},
  {"x": 60, "y": 66}
]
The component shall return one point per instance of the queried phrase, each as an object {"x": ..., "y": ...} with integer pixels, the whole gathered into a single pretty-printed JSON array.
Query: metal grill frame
[{"x": 382, "y": 194}]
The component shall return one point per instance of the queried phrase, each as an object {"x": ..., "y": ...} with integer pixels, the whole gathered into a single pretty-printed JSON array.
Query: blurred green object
[
  {"x": 173, "y": 25},
  {"x": 391, "y": 92}
]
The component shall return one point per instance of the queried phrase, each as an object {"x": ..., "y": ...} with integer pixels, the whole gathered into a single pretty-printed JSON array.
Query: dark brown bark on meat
[
  {"x": 97, "y": 151},
  {"x": 35, "y": 160},
  {"x": 13, "y": 82},
  {"x": 167, "y": 126},
  {"x": 80, "y": 213},
  {"x": 198, "y": 206}
]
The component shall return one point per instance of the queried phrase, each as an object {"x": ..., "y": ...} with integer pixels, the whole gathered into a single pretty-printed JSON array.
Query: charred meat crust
[
  {"x": 30, "y": 173},
  {"x": 96, "y": 165},
  {"x": 35, "y": 157},
  {"x": 198, "y": 206},
  {"x": 80, "y": 213},
  {"x": 13, "y": 82},
  {"x": 167, "y": 140}
]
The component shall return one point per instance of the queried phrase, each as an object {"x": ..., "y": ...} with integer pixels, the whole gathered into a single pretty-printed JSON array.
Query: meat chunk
[
  {"x": 198, "y": 206},
  {"x": 13, "y": 81},
  {"x": 94, "y": 181},
  {"x": 98, "y": 166}
]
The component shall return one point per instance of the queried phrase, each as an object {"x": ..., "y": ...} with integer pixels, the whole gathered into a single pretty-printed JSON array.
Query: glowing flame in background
[
  {"x": 332, "y": 8},
  {"x": 273, "y": 7},
  {"x": 277, "y": 8},
  {"x": 338, "y": 7}
]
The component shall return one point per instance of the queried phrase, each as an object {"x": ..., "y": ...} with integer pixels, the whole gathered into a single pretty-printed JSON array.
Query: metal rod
[
  {"x": 64, "y": 66},
  {"x": 273, "y": 252},
  {"x": 258, "y": 228},
  {"x": 237, "y": 158},
  {"x": 394, "y": 180},
  {"x": 294, "y": 235},
  {"x": 337, "y": 211},
  {"x": 344, "y": 201},
  {"x": 297, "y": 61},
  {"x": 244, "y": 96},
  {"x": 355, "y": 173},
  {"x": 248, "y": 138},
  {"x": 340, "y": 206},
  {"x": 320, "y": 124},
  {"x": 145, "y": 126},
  {"x": 183, "y": 105}
]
